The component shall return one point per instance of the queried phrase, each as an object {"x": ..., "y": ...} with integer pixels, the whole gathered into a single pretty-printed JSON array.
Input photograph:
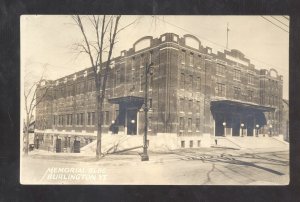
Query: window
[
  {"x": 190, "y": 124},
  {"x": 69, "y": 119},
  {"x": 271, "y": 100},
  {"x": 181, "y": 104},
  {"x": 141, "y": 61},
  {"x": 61, "y": 120},
  {"x": 237, "y": 74},
  {"x": 80, "y": 88},
  {"x": 199, "y": 143},
  {"x": 197, "y": 124},
  {"x": 181, "y": 123},
  {"x": 191, "y": 143},
  {"x": 62, "y": 91},
  {"x": 220, "y": 90},
  {"x": 106, "y": 117},
  {"x": 132, "y": 63},
  {"x": 81, "y": 119},
  {"x": 182, "y": 144},
  {"x": 91, "y": 118},
  {"x": 236, "y": 92},
  {"x": 191, "y": 82},
  {"x": 191, "y": 59},
  {"x": 56, "y": 93},
  {"x": 90, "y": 85},
  {"x": 183, "y": 53},
  {"x": 220, "y": 70},
  {"x": 118, "y": 77},
  {"x": 190, "y": 105},
  {"x": 198, "y": 107},
  {"x": 182, "y": 81},
  {"x": 77, "y": 117},
  {"x": 163, "y": 38},
  {"x": 198, "y": 83},
  {"x": 250, "y": 95},
  {"x": 250, "y": 79},
  {"x": 70, "y": 90}
]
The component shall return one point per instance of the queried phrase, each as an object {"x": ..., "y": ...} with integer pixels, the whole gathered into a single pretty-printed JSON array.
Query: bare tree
[
  {"x": 32, "y": 97},
  {"x": 105, "y": 31}
]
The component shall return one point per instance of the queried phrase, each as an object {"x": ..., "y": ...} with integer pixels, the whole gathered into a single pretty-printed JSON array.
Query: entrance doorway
[
  {"x": 235, "y": 126},
  {"x": 58, "y": 145},
  {"x": 250, "y": 126},
  {"x": 131, "y": 119},
  {"x": 219, "y": 128}
]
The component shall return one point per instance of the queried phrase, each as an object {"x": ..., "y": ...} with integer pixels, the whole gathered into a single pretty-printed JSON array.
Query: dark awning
[
  {"x": 126, "y": 99},
  {"x": 240, "y": 104}
]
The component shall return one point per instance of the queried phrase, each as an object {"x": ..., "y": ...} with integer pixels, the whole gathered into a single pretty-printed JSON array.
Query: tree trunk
[
  {"x": 26, "y": 138},
  {"x": 99, "y": 125},
  {"x": 26, "y": 142}
]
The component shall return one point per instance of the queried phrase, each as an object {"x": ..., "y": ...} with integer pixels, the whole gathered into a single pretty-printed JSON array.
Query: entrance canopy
[
  {"x": 236, "y": 115},
  {"x": 232, "y": 104},
  {"x": 126, "y": 99},
  {"x": 126, "y": 119}
]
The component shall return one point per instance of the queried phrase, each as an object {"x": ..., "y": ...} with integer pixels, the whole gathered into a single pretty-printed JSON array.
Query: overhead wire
[
  {"x": 274, "y": 24},
  {"x": 279, "y": 21},
  {"x": 286, "y": 17}
]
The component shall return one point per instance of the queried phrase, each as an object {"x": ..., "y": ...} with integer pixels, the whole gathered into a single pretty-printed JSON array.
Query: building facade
[{"x": 192, "y": 92}]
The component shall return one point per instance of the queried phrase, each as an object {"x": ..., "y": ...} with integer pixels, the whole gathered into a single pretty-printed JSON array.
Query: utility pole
[
  {"x": 144, "y": 156},
  {"x": 227, "y": 30}
]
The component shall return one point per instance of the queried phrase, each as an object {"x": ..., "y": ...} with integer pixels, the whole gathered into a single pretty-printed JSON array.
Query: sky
[{"x": 46, "y": 40}]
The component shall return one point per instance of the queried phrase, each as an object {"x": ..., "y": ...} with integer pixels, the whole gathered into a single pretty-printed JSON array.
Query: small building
[{"x": 192, "y": 92}]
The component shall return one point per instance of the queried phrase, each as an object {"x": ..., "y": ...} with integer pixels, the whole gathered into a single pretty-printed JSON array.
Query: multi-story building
[{"x": 192, "y": 92}]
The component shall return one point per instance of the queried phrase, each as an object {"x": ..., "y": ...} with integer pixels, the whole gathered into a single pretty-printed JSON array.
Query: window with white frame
[
  {"x": 182, "y": 80},
  {"x": 183, "y": 56},
  {"x": 250, "y": 78},
  {"x": 197, "y": 124},
  {"x": 236, "y": 92},
  {"x": 189, "y": 124},
  {"x": 220, "y": 89},
  {"x": 250, "y": 95},
  {"x": 181, "y": 123},
  {"x": 91, "y": 118},
  {"x": 191, "y": 59},
  {"x": 220, "y": 70},
  {"x": 237, "y": 74}
]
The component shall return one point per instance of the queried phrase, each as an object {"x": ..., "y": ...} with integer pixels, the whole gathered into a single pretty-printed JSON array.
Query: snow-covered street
[{"x": 210, "y": 166}]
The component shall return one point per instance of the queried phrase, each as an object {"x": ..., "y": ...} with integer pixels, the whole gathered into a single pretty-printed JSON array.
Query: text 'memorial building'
[{"x": 193, "y": 93}]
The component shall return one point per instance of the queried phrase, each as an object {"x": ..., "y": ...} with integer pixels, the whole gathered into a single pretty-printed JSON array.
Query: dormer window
[{"x": 163, "y": 38}]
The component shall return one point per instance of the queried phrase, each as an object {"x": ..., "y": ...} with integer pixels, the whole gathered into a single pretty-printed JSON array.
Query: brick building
[{"x": 192, "y": 92}]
